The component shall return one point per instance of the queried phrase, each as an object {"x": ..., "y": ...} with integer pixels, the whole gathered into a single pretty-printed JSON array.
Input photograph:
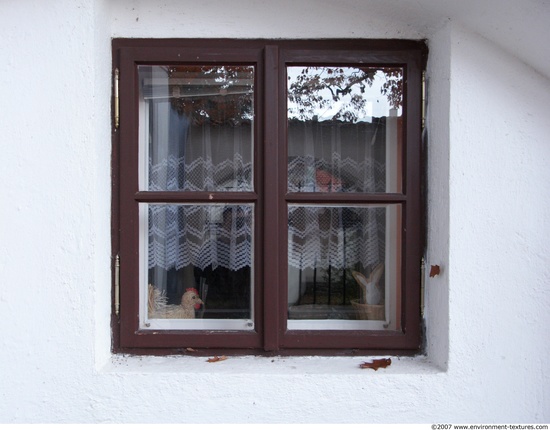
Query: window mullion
[{"x": 272, "y": 201}]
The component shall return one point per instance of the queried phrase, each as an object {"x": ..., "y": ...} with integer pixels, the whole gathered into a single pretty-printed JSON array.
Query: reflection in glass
[
  {"x": 199, "y": 261},
  {"x": 344, "y": 264},
  {"x": 196, "y": 127},
  {"x": 344, "y": 129}
]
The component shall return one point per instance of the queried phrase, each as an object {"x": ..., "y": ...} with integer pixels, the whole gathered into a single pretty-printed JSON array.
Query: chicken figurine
[{"x": 159, "y": 308}]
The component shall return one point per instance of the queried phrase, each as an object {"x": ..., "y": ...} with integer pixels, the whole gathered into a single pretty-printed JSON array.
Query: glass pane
[
  {"x": 344, "y": 266},
  {"x": 199, "y": 262},
  {"x": 196, "y": 128},
  {"x": 344, "y": 129}
]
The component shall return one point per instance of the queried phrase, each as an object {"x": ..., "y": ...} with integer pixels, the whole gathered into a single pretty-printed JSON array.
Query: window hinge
[
  {"x": 423, "y": 99},
  {"x": 422, "y": 285},
  {"x": 117, "y": 285},
  {"x": 116, "y": 101}
]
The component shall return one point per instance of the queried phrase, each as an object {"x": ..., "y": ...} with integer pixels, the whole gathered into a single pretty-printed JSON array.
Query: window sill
[{"x": 239, "y": 365}]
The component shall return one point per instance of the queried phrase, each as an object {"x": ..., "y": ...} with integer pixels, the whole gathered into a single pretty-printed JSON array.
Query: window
[{"x": 267, "y": 195}]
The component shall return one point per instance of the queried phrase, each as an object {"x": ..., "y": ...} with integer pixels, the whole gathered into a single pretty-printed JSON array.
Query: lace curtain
[
  {"x": 188, "y": 156},
  {"x": 342, "y": 158},
  {"x": 333, "y": 157}
]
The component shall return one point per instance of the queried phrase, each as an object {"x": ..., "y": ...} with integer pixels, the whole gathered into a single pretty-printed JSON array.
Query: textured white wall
[
  {"x": 488, "y": 154},
  {"x": 499, "y": 275}
]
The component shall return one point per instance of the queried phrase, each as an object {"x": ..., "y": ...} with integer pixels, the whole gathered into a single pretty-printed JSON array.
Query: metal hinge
[
  {"x": 422, "y": 285},
  {"x": 116, "y": 107},
  {"x": 117, "y": 285},
  {"x": 423, "y": 99}
]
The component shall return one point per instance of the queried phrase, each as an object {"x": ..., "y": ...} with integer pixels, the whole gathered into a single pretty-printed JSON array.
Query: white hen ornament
[{"x": 158, "y": 307}]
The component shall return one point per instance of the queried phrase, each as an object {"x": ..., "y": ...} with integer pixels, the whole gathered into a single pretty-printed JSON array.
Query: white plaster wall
[
  {"x": 499, "y": 275},
  {"x": 488, "y": 154}
]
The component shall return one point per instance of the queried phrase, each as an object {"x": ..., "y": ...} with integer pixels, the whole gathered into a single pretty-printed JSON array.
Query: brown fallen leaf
[
  {"x": 376, "y": 364},
  {"x": 216, "y": 359},
  {"x": 434, "y": 271}
]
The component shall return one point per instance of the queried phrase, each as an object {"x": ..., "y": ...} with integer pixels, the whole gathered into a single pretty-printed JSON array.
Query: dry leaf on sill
[
  {"x": 190, "y": 350},
  {"x": 217, "y": 358},
  {"x": 376, "y": 364}
]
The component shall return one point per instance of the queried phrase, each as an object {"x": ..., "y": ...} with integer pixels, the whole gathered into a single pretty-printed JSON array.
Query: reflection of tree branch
[
  {"x": 206, "y": 95},
  {"x": 306, "y": 89},
  {"x": 357, "y": 80},
  {"x": 334, "y": 96}
]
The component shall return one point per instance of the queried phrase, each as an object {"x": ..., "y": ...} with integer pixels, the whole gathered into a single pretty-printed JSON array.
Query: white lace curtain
[
  {"x": 334, "y": 157},
  {"x": 198, "y": 157},
  {"x": 322, "y": 237}
]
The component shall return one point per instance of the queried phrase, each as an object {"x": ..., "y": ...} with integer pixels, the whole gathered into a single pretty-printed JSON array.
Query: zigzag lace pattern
[
  {"x": 348, "y": 175},
  {"x": 180, "y": 235},
  {"x": 339, "y": 237},
  {"x": 201, "y": 174},
  {"x": 199, "y": 235},
  {"x": 335, "y": 236}
]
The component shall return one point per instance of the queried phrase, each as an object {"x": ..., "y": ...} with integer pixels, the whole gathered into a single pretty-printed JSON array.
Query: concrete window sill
[{"x": 239, "y": 365}]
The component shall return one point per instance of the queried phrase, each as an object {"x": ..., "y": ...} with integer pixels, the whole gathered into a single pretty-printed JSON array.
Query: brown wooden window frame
[{"x": 270, "y": 58}]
